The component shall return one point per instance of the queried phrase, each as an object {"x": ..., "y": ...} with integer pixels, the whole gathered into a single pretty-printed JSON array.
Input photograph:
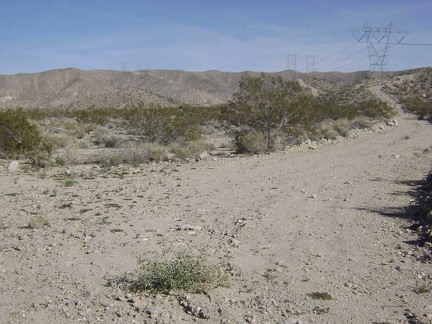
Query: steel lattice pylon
[{"x": 378, "y": 40}]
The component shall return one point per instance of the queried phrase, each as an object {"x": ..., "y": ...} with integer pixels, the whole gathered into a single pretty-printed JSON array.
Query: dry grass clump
[
  {"x": 59, "y": 141},
  {"x": 38, "y": 222},
  {"x": 140, "y": 153},
  {"x": 251, "y": 142}
]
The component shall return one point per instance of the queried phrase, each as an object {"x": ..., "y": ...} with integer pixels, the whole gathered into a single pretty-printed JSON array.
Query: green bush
[
  {"x": 184, "y": 273},
  {"x": 19, "y": 138}
]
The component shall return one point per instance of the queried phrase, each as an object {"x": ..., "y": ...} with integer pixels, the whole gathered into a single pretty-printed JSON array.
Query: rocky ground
[{"x": 322, "y": 218}]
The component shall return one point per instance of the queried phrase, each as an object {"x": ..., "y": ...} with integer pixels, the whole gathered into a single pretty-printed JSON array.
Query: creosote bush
[
  {"x": 19, "y": 138},
  {"x": 184, "y": 273}
]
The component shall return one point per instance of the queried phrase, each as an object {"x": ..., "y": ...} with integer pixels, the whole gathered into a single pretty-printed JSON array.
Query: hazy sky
[{"x": 200, "y": 35}]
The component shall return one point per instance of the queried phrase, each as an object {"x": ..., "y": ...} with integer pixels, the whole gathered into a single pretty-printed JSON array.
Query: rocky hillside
[{"x": 106, "y": 88}]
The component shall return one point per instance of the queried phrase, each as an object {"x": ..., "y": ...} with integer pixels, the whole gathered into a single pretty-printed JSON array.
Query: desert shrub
[
  {"x": 92, "y": 115},
  {"x": 343, "y": 127},
  {"x": 162, "y": 125},
  {"x": 60, "y": 161},
  {"x": 184, "y": 273},
  {"x": 423, "y": 109},
  {"x": 186, "y": 150},
  {"x": 362, "y": 122},
  {"x": 115, "y": 160},
  {"x": 82, "y": 129},
  {"x": 102, "y": 137},
  {"x": 179, "y": 150},
  {"x": 251, "y": 142},
  {"x": 375, "y": 109},
  {"x": 111, "y": 141},
  {"x": 72, "y": 155},
  {"x": 135, "y": 157},
  {"x": 140, "y": 153},
  {"x": 266, "y": 105},
  {"x": 196, "y": 147},
  {"x": 20, "y": 138},
  {"x": 156, "y": 153},
  {"x": 328, "y": 132}
]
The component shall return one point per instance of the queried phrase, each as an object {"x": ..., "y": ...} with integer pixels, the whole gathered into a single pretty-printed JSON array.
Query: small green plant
[
  {"x": 185, "y": 273},
  {"x": 269, "y": 274},
  {"x": 60, "y": 161},
  {"x": 320, "y": 310},
  {"x": 320, "y": 296},
  {"x": 421, "y": 288},
  {"x": 69, "y": 183}
]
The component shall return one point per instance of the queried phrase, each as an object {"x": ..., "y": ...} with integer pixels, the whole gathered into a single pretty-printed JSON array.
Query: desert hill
[{"x": 107, "y": 88}]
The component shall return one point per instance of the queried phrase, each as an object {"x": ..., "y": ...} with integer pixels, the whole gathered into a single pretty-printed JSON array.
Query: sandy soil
[{"x": 290, "y": 224}]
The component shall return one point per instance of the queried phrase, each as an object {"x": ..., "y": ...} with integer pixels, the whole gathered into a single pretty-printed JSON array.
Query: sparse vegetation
[
  {"x": 268, "y": 113},
  {"x": 38, "y": 222},
  {"x": 184, "y": 273}
]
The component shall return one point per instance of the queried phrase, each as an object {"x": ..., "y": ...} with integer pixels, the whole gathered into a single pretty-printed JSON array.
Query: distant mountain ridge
[{"x": 108, "y": 88}]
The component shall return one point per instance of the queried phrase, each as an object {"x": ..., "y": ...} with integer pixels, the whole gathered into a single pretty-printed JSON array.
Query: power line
[
  {"x": 290, "y": 58},
  {"x": 310, "y": 63},
  {"x": 411, "y": 44},
  {"x": 344, "y": 58},
  {"x": 325, "y": 58},
  {"x": 339, "y": 67}
]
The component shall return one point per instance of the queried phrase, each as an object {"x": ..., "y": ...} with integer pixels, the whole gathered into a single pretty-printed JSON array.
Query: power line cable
[
  {"x": 344, "y": 49},
  {"x": 344, "y": 58},
  {"x": 339, "y": 67},
  {"x": 411, "y": 44}
]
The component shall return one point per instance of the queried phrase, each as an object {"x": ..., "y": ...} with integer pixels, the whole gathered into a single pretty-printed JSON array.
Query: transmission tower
[
  {"x": 378, "y": 41},
  {"x": 292, "y": 64},
  {"x": 310, "y": 63}
]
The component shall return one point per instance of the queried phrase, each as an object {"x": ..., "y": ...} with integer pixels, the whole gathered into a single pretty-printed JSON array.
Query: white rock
[
  {"x": 13, "y": 166},
  {"x": 204, "y": 155}
]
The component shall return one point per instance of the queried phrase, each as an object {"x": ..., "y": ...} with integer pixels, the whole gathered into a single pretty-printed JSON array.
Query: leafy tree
[
  {"x": 264, "y": 104},
  {"x": 20, "y": 138}
]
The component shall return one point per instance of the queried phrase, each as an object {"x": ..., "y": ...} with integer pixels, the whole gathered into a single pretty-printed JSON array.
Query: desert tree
[{"x": 265, "y": 104}]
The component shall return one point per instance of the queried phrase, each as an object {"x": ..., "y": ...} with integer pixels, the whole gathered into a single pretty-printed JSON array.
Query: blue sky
[{"x": 200, "y": 35}]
